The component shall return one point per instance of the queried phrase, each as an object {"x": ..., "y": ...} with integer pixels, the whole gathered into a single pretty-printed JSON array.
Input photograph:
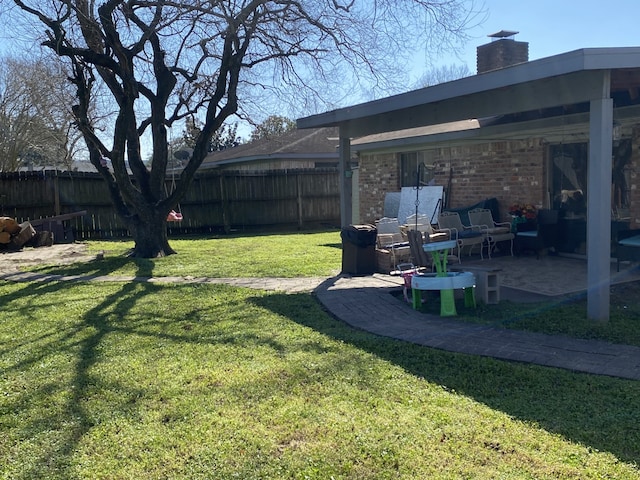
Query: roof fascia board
[
  {"x": 565, "y": 128},
  {"x": 558, "y": 65},
  {"x": 547, "y": 92}
]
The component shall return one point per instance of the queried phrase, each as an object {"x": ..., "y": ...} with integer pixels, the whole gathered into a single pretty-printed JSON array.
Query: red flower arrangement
[{"x": 526, "y": 210}]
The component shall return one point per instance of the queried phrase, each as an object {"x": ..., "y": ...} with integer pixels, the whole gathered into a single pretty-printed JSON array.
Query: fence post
[
  {"x": 56, "y": 194},
  {"x": 299, "y": 199},
  {"x": 223, "y": 202}
]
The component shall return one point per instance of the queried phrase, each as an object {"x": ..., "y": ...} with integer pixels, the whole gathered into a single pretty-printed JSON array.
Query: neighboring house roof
[
  {"x": 77, "y": 166},
  {"x": 319, "y": 143},
  {"x": 83, "y": 166}
]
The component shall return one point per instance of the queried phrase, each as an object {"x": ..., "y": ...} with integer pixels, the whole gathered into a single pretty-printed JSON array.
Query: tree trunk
[{"x": 150, "y": 237}]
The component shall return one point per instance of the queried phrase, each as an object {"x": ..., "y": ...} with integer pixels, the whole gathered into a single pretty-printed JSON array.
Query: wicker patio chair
[{"x": 391, "y": 247}]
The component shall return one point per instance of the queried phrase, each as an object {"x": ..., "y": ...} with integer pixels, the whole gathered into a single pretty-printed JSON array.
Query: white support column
[
  {"x": 599, "y": 208},
  {"x": 344, "y": 170}
]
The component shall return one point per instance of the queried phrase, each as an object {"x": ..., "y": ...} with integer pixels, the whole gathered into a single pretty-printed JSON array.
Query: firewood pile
[{"x": 14, "y": 235}]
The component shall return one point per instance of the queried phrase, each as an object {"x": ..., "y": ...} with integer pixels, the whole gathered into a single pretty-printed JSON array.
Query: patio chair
[
  {"x": 420, "y": 222},
  {"x": 544, "y": 236},
  {"x": 388, "y": 225},
  {"x": 420, "y": 258},
  {"x": 465, "y": 237},
  {"x": 391, "y": 247},
  {"x": 423, "y": 226},
  {"x": 494, "y": 231}
]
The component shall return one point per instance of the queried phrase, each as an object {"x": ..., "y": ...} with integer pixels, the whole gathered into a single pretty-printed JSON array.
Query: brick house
[
  {"x": 511, "y": 171},
  {"x": 521, "y": 133}
]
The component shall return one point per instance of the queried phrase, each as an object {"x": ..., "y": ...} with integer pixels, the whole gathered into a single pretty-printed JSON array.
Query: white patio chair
[
  {"x": 390, "y": 241},
  {"x": 421, "y": 222},
  {"x": 494, "y": 231},
  {"x": 465, "y": 237}
]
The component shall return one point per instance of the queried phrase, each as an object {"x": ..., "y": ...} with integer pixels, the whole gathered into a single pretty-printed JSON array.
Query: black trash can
[{"x": 358, "y": 249}]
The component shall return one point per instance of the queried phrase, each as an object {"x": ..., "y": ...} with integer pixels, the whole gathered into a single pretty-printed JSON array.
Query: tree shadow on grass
[
  {"x": 332, "y": 245},
  {"x": 106, "y": 266},
  {"x": 71, "y": 421},
  {"x": 79, "y": 341},
  {"x": 598, "y": 411},
  {"x": 69, "y": 393}
]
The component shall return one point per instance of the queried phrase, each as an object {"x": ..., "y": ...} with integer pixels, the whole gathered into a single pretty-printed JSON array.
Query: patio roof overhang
[
  {"x": 563, "y": 128},
  {"x": 564, "y": 80},
  {"x": 573, "y": 93}
]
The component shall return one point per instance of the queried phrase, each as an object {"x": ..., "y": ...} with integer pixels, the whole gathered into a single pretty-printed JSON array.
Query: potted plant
[{"x": 523, "y": 216}]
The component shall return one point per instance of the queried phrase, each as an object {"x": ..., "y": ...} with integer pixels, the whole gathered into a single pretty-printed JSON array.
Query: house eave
[
  {"x": 559, "y": 129},
  {"x": 567, "y": 78}
]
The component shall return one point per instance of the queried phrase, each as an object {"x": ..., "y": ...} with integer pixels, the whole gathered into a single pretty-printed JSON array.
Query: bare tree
[
  {"x": 273, "y": 126},
  {"x": 36, "y": 122},
  {"x": 163, "y": 61},
  {"x": 225, "y": 137},
  {"x": 446, "y": 73}
]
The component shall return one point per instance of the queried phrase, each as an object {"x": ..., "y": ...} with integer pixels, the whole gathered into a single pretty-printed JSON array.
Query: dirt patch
[{"x": 62, "y": 254}]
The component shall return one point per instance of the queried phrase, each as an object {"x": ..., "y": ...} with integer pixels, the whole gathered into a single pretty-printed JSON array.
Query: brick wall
[
  {"x": 500, "y": 54},
  {"x": 509, "y": 171},
  {"x": 379, "y": 174}
]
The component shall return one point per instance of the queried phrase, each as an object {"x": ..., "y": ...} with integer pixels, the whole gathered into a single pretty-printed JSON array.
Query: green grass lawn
[
  {"x": 201, "y": 381},
  {"x": 275, "y": 255},
  {"x": 138, "y": 380},
  {"x": 319, "y": 254}
]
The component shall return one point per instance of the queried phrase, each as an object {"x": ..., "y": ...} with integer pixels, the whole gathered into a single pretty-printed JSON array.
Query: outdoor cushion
[
  {"x": 496, "y": 230},
  {"x": 528, "y": 233},
  {"x": 468, "y": 234},
  {"x": 631, "y": 241}
]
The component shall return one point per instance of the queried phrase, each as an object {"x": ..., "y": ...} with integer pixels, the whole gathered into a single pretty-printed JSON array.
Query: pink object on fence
[{"x": 174, "y": 216}]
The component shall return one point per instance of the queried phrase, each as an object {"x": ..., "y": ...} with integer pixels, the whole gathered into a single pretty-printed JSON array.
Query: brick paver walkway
[{"x": 366, "y": 303}]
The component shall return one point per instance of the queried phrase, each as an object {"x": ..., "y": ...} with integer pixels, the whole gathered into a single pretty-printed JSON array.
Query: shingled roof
[{"x": 318, "y": 143}]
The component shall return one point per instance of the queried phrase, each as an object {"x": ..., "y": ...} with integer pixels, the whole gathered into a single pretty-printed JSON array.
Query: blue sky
[{"x": 552, "y": 27}]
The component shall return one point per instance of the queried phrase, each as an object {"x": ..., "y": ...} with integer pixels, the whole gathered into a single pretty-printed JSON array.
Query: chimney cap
[{"x": 503, "y": 34}]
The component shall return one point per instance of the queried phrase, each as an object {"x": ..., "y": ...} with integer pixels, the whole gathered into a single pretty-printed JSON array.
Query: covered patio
[
  {"x": 578, "y": 93},
  {"x": 548, "y": 277}
]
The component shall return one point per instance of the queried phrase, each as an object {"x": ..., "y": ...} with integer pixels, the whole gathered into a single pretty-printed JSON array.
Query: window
[
  {"x": 409, "y": 164},
  {"x": 569, "y": 167}
]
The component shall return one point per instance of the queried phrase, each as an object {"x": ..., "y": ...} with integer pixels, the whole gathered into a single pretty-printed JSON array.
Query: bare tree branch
[{"x": 162, "y": 61}]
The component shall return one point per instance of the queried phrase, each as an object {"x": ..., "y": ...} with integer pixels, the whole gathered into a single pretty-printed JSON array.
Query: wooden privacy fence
[{"x": 216, "y": 201}]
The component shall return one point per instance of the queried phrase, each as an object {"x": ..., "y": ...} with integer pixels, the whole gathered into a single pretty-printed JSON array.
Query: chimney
[{"x": 503, "y": 51}]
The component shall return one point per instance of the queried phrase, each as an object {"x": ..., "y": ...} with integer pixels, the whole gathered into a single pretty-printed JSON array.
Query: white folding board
[{"x": 428, "y": 199}]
